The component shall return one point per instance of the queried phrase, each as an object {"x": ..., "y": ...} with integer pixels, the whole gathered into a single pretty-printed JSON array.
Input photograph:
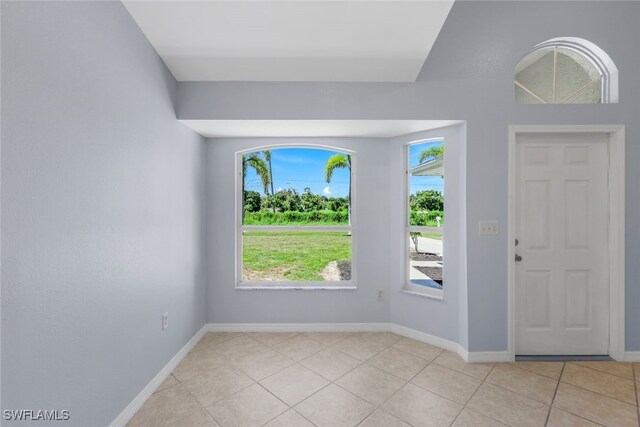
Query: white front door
[{"x": 562, "y": 221}]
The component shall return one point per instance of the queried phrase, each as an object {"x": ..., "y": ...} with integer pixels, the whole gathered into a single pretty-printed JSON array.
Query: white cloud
[
  {"x": 279, "y": 189},
  {"x": 327, "y": 191}
]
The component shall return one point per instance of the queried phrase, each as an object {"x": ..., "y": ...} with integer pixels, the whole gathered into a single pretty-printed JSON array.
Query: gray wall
[
  {"x": 469, "y": 76},
  {"x": 227, "y": 305},
  {"x": 101, "y": 211}
]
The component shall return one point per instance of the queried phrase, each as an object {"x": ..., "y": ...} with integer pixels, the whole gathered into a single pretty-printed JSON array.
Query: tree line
[
  {"x": 425, "y": 205},
  {"x": 290, "y": 200}
]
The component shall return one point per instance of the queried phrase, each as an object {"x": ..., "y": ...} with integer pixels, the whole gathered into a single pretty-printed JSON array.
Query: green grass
[
  {"x": 292, "y": 255},
  {"x": 436, "y": 236}
]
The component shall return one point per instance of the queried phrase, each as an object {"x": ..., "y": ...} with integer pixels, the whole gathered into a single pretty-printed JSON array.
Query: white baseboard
[
  {"x": 133, "y": 407},
  {"x": 471, "y": 357},
  {"x": 467, "y": 356},
  {"x": 632, "y": 356},
  {"x": 488, "y": 356},
  {"x": 297, "y": 327},
  {"x": 424, "y": 337}
]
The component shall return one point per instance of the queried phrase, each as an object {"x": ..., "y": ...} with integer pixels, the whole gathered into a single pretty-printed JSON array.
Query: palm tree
[
  {"x": 257, "y": 163},
  {"x": 431, "y": 152},
  {"x": 339, "y": 161},
  {"x": 267, "y": 156}
]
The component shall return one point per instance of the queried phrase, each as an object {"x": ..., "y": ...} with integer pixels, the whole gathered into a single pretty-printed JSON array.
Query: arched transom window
[{"x": 566, "y": 71}]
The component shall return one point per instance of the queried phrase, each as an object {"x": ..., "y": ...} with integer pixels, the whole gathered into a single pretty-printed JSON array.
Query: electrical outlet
[
  {"x": 489, "y": 228},
  {"x": 380, "y": 294},
  {"x": 165, "y": 321}
]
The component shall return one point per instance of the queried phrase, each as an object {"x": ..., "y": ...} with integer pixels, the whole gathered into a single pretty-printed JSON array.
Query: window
[
  {"x": 295, "y": 215},
  {"x": 566, "y": 71},
  {"x": 425, "y": 216}
]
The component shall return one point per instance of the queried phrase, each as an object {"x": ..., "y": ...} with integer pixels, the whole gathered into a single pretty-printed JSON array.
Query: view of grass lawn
[
  {"x": 292, "y": 255},
  {"x": 436, "y": 236}
]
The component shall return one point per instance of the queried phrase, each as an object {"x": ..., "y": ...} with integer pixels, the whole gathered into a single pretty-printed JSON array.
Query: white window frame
[
  {"x": 408, "y": 286},
  {"x": 240, "y": 228}
]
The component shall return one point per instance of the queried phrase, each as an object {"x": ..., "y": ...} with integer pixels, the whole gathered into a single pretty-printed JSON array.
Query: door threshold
[{"x": 581, "y": 358}]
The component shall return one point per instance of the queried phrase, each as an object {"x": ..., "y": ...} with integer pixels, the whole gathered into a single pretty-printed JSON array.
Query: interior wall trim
[{"x": 125, "y": 416}]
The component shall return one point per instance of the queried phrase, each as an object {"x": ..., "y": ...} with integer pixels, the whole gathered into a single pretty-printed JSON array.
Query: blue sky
[
  {"x": 298, "y": 168},
  {"x": 420, "y": 183}
]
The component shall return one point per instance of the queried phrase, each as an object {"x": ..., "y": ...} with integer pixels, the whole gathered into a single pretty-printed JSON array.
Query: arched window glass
[{"x": 566, "y": 71}]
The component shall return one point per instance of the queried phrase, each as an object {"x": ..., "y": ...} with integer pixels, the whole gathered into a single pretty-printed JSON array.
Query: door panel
[
  {"x": 537, "y": 211},
  {"x": 576, "y": 213},
  {"x": 562, "y": 214},
  {"x": 576, "y": 299},
  {"x": 537, "y": 295}
]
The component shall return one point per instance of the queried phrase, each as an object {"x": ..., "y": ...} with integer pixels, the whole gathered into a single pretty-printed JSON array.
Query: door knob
[{"x": 518, "y": 258}]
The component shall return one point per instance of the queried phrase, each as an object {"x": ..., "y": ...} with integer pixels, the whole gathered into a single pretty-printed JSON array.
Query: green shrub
[
  {"x": 427, "y": 200},
  {"x": 426, "y": 219},
  {"x": 324, "y": 217},
  {"x": 252, "y": 201}
]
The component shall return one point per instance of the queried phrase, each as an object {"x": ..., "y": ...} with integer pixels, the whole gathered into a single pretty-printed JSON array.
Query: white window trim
[
  {"x": 294, "y": 284},
  {"x": 410, "y": 288}
]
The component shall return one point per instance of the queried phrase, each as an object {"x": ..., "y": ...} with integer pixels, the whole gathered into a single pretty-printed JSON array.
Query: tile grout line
[
  {"x": 333, "y": 382},
  {"x": 600, "y": 394},
  {"x": 376, "y": 407},
  {"x": 362, "y": 363},
  {"x": 573, "y": 385},
  {"x": 349, "y": 334},
  {"x": 584, "y": 389},
  {"x": 200, "y": 404},
  {"x": 294, "y": 363},
  {"x": 404, "y": 385},
  {"x": 478, "y": 389},
  {"x": 555, "y": 393},
  {"x": 257, "y": 382},
  {"x": 325, "y": 347},
  {"x": 274, "y": 373},
  {"x": 515, "y": 365},
  {"x": 604, "y": 372},
  {"x": 289, "y": 408},
  {"x": 365, "y": 362},
  {"x": 475, "y": 392},
  {"x": 292, "y": 408},
  {"x": 379, "y": 406}
]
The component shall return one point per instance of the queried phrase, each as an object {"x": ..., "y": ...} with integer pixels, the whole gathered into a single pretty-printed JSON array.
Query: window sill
[
  {"x": 303, "y": 286},
  {"x": 430, "y": 294}
]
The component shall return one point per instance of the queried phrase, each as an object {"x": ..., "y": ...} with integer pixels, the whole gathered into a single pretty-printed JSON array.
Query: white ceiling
[
  {"x": 350, "y": 41},
  {"x": 313, "y": 128}
]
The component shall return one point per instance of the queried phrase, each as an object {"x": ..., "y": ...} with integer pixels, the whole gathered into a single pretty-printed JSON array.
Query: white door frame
[{"x": 616, "y": 227}]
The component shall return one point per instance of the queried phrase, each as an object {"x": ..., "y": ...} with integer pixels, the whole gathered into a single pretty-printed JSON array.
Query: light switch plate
[{"x": 489, "y": 228}]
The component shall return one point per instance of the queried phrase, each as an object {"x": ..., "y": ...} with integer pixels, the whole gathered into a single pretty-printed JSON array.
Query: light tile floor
[{"x": 380, "y": 380}]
